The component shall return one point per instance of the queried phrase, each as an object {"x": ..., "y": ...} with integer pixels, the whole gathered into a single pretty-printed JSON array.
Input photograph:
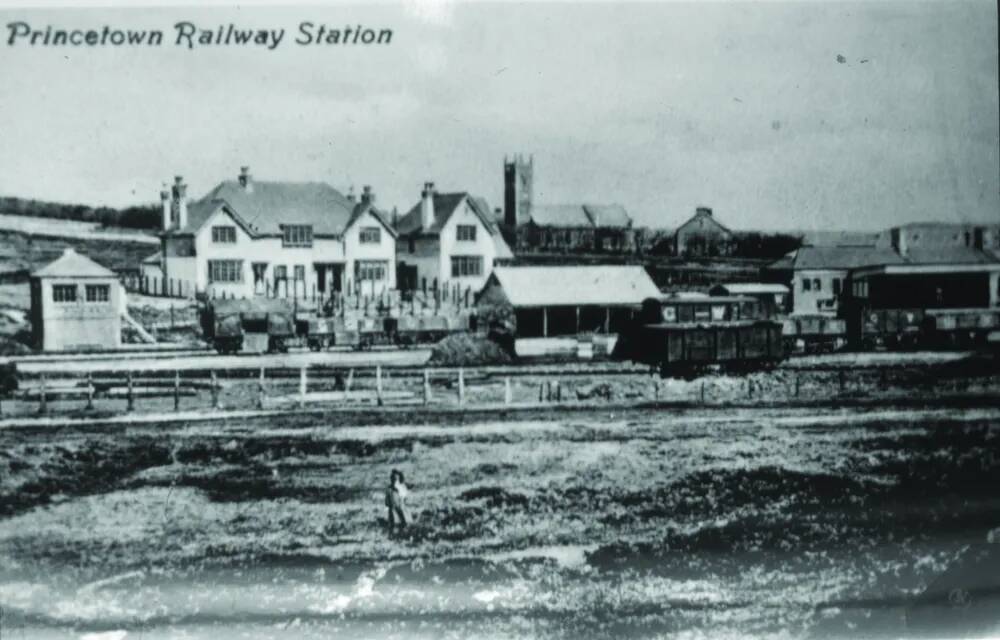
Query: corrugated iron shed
[{"x": 574, "y": 286}]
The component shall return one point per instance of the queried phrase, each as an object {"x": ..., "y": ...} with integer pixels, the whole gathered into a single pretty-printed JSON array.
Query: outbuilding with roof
[
  {"x": 568, "y": 300},
  {"x": 76, "y": 305}
]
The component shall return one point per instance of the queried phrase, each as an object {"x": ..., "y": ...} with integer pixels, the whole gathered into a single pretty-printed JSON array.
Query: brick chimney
[
  {"x": 703, "y": 211},
  {"x": 427, "y": 205},
  {"x": 246, "y": 180},
  {"x": 165, "y": 204},
  {"x": 179, "y": 204},
  {"x": 350, "y": 194},
  {"x": 367, "y": 196}
]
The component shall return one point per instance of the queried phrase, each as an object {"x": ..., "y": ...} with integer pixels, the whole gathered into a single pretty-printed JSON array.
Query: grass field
[{"x": 769, "y": 523}]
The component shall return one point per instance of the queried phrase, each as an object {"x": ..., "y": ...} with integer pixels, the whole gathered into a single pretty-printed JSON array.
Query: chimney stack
[
  {"x": 179, "y": 204},
  {"x": 427, "y": 205},
  {"x": 703, "y": 211},
  {"x": 350, "y": 193},
  {"x": 246, "y": 180},
  {"x": 367, "y": 197},
  {"x": 898, "y": 239},
  {"x": 165, "y": 203}
]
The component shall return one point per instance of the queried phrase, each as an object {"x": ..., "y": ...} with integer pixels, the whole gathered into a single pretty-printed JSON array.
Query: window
[
  {"x": 297, "y": 235},
  {"x": 413, "y": 246},
  {"x": 225, "y": 271},
  {"x": 98, "y": 292},
  {"x": 370, "y": 235},
  {"x": 806, "y": 284},
  {"x": 64, "y": 293},
  {"x": 281, "y": 272},
  {"x": 370, "y": 269},
  {"x": 300, "y": 272},
  {"x": 462, "y": 266},
  {"x": 466, "y": 232},
  {"x": 836, "y": 286},
  {"x": 817, "y": 284},
  {"x": 224, "y": 235}
]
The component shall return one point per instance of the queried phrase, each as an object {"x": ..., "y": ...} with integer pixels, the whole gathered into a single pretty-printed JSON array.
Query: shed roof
[
  {"x": 73, "y": 265},
  {"x": 573, "y": 286},
  {"x": 748, "y": 288}
]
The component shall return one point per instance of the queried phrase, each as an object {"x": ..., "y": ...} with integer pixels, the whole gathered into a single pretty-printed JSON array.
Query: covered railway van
[
  {"x": 250, "y": 326},
  {"x": 684, "y": 337}
]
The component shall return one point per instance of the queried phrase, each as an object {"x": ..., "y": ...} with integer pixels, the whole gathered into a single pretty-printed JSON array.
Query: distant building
[
  {"x": 703, "y": 236},
  {"x": 76, "y": 304},
  {"x": 820, "y": 275},
  {"x": 567, "y": 300},
  {"x": 284, "y": 239},
  {"x": 561, "y": 228},
  {"x": 927, "y": 237},
  {"x": 448, "y": 239}
]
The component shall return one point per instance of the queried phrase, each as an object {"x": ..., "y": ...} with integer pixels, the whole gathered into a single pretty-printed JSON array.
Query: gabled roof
[
  {"x": 604, "y": 285},
  {"x": 707, "y": 216},
  {"x": 73, "y": 265},
  {"x": 580, "y": 215},
  {"x": 843, "y": 257},
  {"x": 266, "y": 206},
  {"x": 366, "y": 207},
  {"x": 445, "y": 204}
]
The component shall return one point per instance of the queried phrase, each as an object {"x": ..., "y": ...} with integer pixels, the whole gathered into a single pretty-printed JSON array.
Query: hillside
[{"x": 146, "y": 216}]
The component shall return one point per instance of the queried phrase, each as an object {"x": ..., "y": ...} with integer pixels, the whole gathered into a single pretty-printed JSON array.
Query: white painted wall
[
  {"x": 807, "y": 301},
  {"x": 450, "y": 246},
  {"x": 385, "y": 250}
]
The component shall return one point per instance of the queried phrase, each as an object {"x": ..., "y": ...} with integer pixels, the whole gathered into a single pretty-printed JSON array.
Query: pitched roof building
[
  {"x": 448, "y": 239},
  {"x": 291, "y": 239}
]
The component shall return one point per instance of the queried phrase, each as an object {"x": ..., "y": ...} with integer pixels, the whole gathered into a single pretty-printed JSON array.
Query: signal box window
[
  {"x": 98, "y": 292},
  {"x": 64, "y": 293}
]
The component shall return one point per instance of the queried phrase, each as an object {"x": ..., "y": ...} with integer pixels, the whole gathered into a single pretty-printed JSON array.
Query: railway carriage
[
  {"x": 688, "y": 336},
  {"x": 249, "y": 326}
]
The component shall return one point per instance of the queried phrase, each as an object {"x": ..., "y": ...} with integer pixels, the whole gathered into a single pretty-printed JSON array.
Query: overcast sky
[{"x": 744, "y": 107}]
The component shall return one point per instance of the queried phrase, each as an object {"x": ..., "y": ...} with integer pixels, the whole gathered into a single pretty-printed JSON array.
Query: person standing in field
[{"x": 395, "y": 501}]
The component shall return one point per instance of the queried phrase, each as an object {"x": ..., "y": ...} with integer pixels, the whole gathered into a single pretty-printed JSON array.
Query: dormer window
[{"x": 297, "y": 235}]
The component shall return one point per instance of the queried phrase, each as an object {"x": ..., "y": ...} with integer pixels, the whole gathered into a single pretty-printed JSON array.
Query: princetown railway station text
[{"x": 190, "y": 36}]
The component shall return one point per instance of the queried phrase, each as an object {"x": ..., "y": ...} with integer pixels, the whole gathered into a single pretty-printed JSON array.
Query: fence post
[
  {"x": 703, "y": 392},
  {"x": 842, "y": 380},
  {"x": 303, "y": 384},
  {"x": 90, "y": 391},
  {"x": 461, "y": 386},
  {"x": 131, "y": 397},
  {"x": 260, "y": 390},
  {"x": 796, "y": 384},
  {"x": 42, "y": 405},
  {"x": 541, "y": 391},
  {"x": 378, "y": 384},
  {"x": 215, "y": 391},
  {"x": 427, "y": 386},
  {"x": 749, "y": 388},
  {"x": 506, "y": 390},
  {"x": 177, "y": 390},
  {"x": 557, "y": 393}
]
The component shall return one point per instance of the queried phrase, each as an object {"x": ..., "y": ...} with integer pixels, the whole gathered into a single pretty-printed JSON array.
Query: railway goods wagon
[
  {"x": 404, "y": 331},
  {"x": 928, "y": 328},
  {"x": 813, "y": 333},
  {"x": 249, "y": 326},
  {"x": 733, "y": 337}
]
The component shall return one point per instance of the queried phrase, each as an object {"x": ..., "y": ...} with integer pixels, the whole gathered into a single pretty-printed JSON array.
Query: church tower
[{"x": 517, "y": 189}]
